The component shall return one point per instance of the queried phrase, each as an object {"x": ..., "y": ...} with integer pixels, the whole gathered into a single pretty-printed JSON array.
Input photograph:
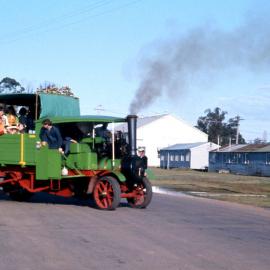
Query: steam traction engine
[{"x": 106, "y": 168}]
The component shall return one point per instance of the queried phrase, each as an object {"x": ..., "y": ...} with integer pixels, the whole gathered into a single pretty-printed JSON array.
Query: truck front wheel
[{"x": 143, "y": 194}]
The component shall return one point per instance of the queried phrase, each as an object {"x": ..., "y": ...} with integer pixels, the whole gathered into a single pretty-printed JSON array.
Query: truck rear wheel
[
  {"x": 107, "y": 193},
  {"x": 143, "y": 196}
]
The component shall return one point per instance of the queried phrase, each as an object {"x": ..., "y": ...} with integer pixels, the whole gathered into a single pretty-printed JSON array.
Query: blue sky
[{"x": 96, "y": 47}]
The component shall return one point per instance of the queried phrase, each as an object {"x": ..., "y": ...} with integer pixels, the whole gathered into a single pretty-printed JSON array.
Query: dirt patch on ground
[{"x": 236, "y": 188}]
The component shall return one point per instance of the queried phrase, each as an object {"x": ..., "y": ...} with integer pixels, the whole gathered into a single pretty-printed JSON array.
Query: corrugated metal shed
[
  {"x": 249, "y": 159},
  {"x": 186, "y": 155}
]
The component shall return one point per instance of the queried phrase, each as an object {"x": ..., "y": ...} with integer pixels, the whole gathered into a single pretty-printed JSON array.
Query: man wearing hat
[{"x": 143, "y": 157}]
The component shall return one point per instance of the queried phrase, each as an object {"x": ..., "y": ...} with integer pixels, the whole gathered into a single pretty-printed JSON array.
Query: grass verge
[{"x": 249, "y": 190}]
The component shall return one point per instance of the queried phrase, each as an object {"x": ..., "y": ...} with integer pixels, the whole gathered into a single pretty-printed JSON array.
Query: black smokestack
[
  {"x": 132, "y": 132},
  {"x": 199, "y": 56}
]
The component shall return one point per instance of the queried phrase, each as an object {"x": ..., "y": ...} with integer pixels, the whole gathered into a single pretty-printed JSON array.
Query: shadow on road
[{"x": 52, "y": 199}]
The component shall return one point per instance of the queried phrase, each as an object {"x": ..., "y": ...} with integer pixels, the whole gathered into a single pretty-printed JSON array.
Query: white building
[{"x": 161, "y": 131}]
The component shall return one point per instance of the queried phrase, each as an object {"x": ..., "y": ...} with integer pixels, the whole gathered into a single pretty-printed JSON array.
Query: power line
[
  {"x": 99, "y": 108},
  {"x": 32, "y": 31},
  {"x": 51, "y": 21}
]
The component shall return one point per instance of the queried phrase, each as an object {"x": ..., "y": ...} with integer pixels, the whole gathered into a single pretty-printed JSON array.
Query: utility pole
[
  {"x": 238, "y": 119},
  {"x": 264, "y": 137},
  {"x": 99, "y": 109}
]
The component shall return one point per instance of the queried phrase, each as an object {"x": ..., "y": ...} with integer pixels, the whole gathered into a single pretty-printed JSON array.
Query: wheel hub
[{"x": 103, "y": 194}]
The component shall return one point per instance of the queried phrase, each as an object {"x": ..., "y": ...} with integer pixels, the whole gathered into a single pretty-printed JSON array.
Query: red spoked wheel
[
  {"x": 107, "y": 193},
  {"x": 143, "y": 194}
]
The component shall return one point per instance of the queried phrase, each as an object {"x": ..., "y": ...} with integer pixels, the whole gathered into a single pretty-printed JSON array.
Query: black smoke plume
[{"x": 201, "y": 53}]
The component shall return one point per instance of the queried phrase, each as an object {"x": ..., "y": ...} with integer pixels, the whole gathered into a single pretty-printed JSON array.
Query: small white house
[
  {"x": 157, "y": 132},
  {"x": 192, "y": 155}
]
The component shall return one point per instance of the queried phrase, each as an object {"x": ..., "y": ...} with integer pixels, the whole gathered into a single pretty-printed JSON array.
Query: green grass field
[{"x": 235, "y": 188}]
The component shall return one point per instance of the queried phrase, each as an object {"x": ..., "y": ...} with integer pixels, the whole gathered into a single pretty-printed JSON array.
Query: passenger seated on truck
[
  {"x": 2, "y": 127},
  {"x": 50, "y": 135},
  {"x": 12, "y": 117},
  {"x": 3, "y": 121},
  {"x": 30, "y": 125},
  {"x": 12, "y": 121},
  {"x": 23, "y": 119}
]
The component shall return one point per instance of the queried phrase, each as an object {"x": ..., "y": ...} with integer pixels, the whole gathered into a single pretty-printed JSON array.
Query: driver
[{"x": 103, "y": 132}]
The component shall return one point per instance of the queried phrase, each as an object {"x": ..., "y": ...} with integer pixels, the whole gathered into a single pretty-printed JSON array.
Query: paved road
[{"x": 173, "y": 233}]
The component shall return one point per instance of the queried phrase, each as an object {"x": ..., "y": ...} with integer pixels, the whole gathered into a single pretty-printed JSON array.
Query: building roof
[
  {"x": 149, "y": 119},
  {"x": 140, "y": 122},
  {"x": 183, "y": 146},
  {"x": 264, "y": 149},
  {"x": 252, "y": 147},
  {"x": 244, "y": 148},
  {"x": 230, "y": 148}
]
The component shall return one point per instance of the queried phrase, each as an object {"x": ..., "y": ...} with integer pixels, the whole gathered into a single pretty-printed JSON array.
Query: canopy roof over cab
[
  {"x": 44, "y": 105},
  {"x": 81, "y": 126},
  {"x": 85, "y": 118}
]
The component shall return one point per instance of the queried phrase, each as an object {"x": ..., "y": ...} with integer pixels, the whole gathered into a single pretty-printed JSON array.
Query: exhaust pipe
[
  {"x": 131, "y": 163},
  {"x": 132, "y": 134}
]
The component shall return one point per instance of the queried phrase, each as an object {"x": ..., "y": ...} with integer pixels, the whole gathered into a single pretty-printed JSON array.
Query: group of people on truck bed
[{"x": 11, "y": 123}]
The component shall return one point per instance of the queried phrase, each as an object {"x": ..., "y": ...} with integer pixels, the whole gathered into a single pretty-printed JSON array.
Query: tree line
[
  {"x": 219, "y": 131},
  {"x": 11, "y": 86}
]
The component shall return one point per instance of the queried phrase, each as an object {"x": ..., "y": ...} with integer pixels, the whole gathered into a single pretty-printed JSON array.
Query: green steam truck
[{"x": 105, "y": 168}]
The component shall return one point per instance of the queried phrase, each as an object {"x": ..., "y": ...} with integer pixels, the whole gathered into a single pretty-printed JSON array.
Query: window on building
[
  {"x": 234, "y": 157},
  {"x": 240, "y": 158},
  {"x": 176, "y": 157},
  {"x": 227, "y": 157},
  {"x": 246, "y": 158},
  {"x": 182, "y": 157},
  {"x": 171, "y": 157},
  {"x": 267, "y": 158},
  {"x": 187, "y": 157},
  {"x": 162, "y": 157},
  {"x": 212, "y": 157}
]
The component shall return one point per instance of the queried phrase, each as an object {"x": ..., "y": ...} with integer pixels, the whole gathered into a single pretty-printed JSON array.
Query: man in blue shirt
[{"x": 50, "y": 135}]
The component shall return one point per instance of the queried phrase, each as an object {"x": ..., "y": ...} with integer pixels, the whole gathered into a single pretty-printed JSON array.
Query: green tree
[
  {"x": 9, "y": 86},
  {"x": 213, "y": 123}
]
